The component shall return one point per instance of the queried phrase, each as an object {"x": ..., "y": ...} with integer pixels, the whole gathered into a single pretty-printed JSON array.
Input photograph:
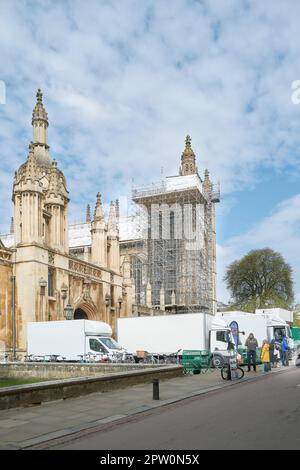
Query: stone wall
[
  {"x": 5, "y": 304},
  {"x": 64, "y": 370},
  {"x": 34, "y": 394}
]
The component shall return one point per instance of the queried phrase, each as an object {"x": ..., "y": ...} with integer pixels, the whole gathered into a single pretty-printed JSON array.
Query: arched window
[
  {"x": 172, "y": 225},
  {"x": 51, "y": 282}
]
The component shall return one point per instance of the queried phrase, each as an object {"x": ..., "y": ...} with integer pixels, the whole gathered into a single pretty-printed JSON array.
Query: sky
[{"x": 125, "y": 81}]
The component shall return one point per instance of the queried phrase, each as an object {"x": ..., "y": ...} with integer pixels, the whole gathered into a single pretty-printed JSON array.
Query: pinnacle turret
[
  {"x": 188, "y": 159},
  {"x": 88, "y": 214},
  {"x": 39, "y": 113},
  {"x": 98, "y": 213},
  {"x": 112, "y": 220}
]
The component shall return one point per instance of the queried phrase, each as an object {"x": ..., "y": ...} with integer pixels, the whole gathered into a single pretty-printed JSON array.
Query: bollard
[
  {"x": 155, "y": 389},
  {"x": 229, "y": 371}
]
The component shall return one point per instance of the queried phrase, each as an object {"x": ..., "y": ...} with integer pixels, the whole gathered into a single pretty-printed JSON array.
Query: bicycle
[
  {"x": 34, "y": 358},
  {"x": 235, "y": 373}
]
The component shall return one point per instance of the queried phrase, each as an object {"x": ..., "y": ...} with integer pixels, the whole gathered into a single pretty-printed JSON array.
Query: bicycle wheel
[
  {"x": 237, "y": 373},
  {"x": 240, "y": 373},
  {"x": 224, "y": 372}
]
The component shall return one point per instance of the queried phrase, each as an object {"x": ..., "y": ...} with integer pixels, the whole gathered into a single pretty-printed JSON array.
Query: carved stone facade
[{"x": 39, "y": 274}]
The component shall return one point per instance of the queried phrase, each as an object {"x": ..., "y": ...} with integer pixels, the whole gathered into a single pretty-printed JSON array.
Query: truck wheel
[{"x": 218, "y": 361}]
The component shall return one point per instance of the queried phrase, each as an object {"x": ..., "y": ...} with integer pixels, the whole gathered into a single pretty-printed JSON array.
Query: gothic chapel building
[{"x": 39, "y": 275}]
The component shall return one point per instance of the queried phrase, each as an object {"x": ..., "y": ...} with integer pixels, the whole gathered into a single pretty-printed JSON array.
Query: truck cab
[
  {"x": 277, "y": 329},
  {"x": 103, "y": 345},
  {"x": 221, "y": 341}
]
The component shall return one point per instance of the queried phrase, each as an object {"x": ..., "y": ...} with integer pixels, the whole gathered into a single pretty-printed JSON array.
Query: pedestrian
[
  {"x": 285, "y": 351},
  {"x": 265, "y": 356},
  {"x": 251, "y": 344},
  {"x": 272, "y": 348},
  {"x": 276, "y": 354}
]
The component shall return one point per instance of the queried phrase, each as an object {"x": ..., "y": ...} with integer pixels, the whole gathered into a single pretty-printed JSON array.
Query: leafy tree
[{"x": 261, "y": 279}]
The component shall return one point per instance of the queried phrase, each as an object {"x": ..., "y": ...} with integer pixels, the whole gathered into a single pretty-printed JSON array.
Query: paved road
[{"x": 263, "y": 414}]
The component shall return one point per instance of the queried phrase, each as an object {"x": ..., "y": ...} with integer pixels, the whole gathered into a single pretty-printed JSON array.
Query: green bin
[{"x": 196, "y": 361}]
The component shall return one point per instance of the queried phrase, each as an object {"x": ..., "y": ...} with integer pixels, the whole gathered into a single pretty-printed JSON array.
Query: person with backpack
[{"x": 251, "y": 344}]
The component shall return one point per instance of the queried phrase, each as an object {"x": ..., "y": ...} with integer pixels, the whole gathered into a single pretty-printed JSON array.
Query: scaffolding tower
[{"x": 173, "y": 258}]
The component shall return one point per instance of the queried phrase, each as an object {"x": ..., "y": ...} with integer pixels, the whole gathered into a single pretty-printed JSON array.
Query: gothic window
[
  {"x": 186, "y": 167},
  {"x": 172, "y": 225},
  {"x": 136, "y": 274},
  {"x": 160, "y": 221},
  {"x": 50, "y": 282},
  {"x": 194, "y": 216},
  {"x": 191, "y": 167},
  {"x": 112, "y": 297}
]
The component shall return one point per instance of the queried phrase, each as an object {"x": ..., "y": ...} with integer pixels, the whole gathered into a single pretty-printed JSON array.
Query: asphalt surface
[{"x": 262, "y": 414}]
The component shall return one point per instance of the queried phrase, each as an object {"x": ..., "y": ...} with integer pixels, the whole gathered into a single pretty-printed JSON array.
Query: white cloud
[{"x": 124, "y": 82}]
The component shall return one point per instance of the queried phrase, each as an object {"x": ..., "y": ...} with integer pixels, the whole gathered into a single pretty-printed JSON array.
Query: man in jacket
[
  {"x": 285, "y": 351},
  {"x": 251, "y": 344}
]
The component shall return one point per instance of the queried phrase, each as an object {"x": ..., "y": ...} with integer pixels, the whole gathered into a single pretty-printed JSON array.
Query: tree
[{"x": 261, "y": 279}]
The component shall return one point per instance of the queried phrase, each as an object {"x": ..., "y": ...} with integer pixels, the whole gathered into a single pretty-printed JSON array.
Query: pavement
[
  {"x": 46, "y": 425},
  {"x": 259, "y": 415}
]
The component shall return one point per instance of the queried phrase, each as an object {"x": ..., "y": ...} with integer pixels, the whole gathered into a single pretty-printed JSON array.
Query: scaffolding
[{"x": 173, "y": 258}]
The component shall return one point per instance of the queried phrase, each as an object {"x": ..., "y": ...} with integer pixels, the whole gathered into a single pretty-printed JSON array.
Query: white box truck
[
  {"x": 71, "y": 339},
  {"x": 167, "y": 334},
  {"x": 262, "y": 325}
]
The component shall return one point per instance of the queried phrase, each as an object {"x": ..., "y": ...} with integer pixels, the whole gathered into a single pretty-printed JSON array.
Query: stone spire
[
  {"x": 113, "y": 255},
  {"x": 39, "y": 113},
  {"x": 31, "y": 163},
  {"x": 40, "y": 132},
  {"x": 117, "y": 204},
  {"x": 98, "y": 212},
  {"x": 99, "y": 235},
  {"x": 207, "y": 185},
  {"x": 112, "y": 220},
  {"x": 188, "y": 159},
  {"x": 88, "y": 214}
]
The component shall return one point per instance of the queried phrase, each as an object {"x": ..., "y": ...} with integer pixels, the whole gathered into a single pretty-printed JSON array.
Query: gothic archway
[
  {"x": 85, "y": 311},
  {"x": 80, "y": 314}
]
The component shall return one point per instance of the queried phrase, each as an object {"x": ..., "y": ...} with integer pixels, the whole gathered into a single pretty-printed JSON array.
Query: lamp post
[
  {"x": 69, "y": 312},
  {"x": 120, "y": 301},
  {"x": 43, "y": 285},
  {"x": 107, "y": 303}
]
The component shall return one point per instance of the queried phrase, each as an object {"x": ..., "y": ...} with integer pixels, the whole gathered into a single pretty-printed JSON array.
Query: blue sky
[{"x": 125, "y": 81}]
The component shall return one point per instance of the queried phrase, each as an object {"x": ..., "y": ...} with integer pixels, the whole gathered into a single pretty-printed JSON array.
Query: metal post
[
  {"x": 13, "y": 279},
  {"x": 155, "y": 389},
  {"x": 229, "y": 371}
]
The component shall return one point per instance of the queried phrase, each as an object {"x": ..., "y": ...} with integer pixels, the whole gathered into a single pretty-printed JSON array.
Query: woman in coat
[{"x": 265, "y": 356}]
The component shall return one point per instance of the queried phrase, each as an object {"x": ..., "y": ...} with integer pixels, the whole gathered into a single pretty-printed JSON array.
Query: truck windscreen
[
  {"x": 110, "y": 343},
  {"x": 279, "y": 332}
]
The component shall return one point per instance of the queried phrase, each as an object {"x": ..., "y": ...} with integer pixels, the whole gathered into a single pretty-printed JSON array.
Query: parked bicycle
[{"x": 228, "y": 373}]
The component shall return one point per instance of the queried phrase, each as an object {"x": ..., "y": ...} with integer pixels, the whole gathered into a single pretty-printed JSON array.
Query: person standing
[
  {"x": 265, "y": 356},
  {"x": 285, "y": 351},
  {"x": 276, "y": 354},
  {"x": 251, "y": 344},
  {"x": 272, "y": 349}
]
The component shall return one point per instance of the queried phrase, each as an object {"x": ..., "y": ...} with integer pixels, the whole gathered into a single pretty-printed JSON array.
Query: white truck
[
  {"x": 167, "y": 334},
  {"x": 72, "y": 340},
  {"x": 262, "y": 325}
]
